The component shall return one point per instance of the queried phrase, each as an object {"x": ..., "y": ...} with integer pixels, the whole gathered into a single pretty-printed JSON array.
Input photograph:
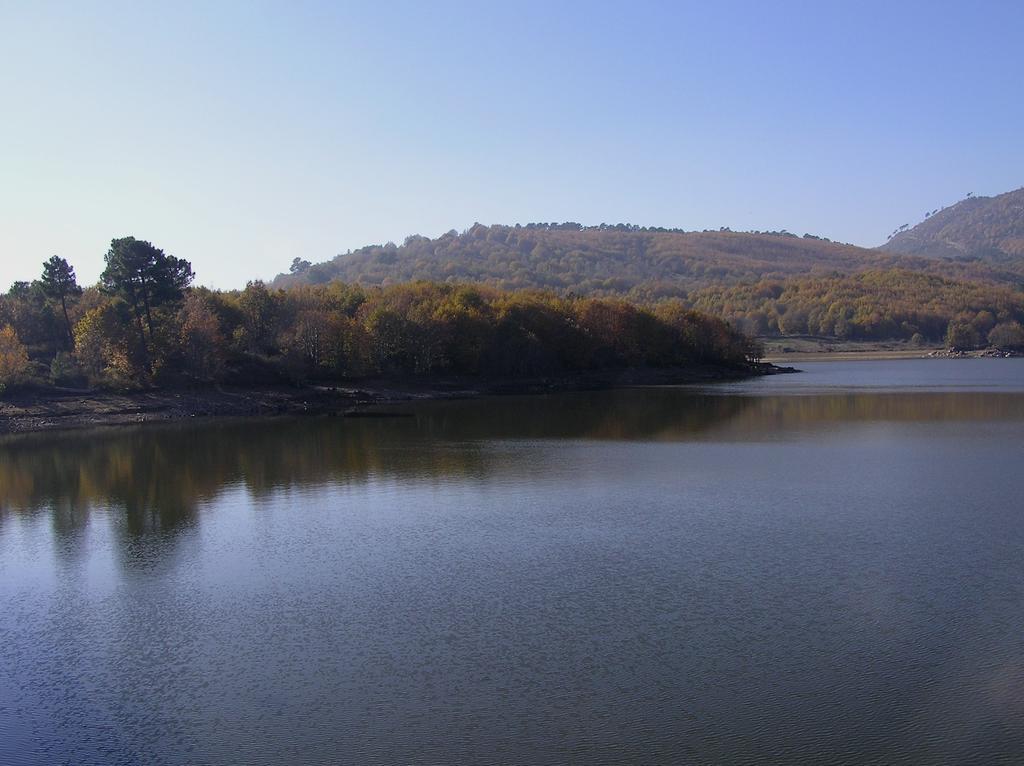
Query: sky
[{"x": 242, "y": 135}]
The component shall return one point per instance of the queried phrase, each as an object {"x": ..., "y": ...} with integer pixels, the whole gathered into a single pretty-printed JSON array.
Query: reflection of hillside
[
  {"x": 158, "y": 476},
  {"x": 821, "y": 410}
]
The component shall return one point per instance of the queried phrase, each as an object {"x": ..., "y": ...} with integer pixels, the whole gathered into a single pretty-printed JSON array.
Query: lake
[{"x": 816, "y": 568}]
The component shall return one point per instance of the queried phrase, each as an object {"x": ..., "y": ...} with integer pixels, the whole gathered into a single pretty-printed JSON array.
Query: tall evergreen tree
[
  {"x": 145, "y": 277},
  {"x": 59, "y": 285}
]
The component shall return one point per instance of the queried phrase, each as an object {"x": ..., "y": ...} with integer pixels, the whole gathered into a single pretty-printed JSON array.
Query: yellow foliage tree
[
  {"x": 13, "y": 356},
  {"x": 106, "y": 347}
]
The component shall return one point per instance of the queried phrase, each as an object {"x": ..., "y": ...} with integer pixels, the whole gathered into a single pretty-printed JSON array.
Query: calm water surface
[{"x": 818, "y": 568}]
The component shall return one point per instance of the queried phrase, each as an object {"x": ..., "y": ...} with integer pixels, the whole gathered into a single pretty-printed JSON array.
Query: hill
[
  {"x": 989, "y": 229},
  {"x": 638, "y": 263},
  {"x": 627, "y": 260}
]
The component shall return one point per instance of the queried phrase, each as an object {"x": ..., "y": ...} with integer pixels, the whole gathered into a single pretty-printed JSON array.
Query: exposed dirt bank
[{"x": 46, "y": 409}]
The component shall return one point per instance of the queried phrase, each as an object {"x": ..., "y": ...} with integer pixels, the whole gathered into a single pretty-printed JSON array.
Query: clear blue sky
[{"x": 241, "y": 135}]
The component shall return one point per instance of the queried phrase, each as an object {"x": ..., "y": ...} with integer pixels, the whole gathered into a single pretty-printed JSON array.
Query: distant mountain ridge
[
  {"x": 986, "y": 228},
  {"x": 642, "y": 263}
]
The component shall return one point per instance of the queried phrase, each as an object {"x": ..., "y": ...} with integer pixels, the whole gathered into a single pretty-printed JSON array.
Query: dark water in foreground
[{"x": 824, "y": 568}]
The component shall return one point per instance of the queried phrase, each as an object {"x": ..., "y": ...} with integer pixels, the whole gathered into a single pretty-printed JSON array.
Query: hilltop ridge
[
  {"x": 976, "y": 228},
  {"x": 641, "y": 263}
]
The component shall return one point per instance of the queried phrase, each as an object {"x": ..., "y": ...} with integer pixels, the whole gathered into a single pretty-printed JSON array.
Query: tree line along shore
[{"x": 145, "y": 327}]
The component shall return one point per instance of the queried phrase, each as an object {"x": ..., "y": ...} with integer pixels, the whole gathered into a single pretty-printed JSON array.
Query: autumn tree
[
  {"x": 202, "y": 342},
  {"x": 109, "y": 353},
  {"x": 259, "y": 308},
  {"x": 962, "y": 336},
  {"x": 13, "y": 357}
]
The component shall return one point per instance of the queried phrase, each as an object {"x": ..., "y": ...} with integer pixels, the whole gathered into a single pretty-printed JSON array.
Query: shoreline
[
  {"x": 66, "y": 409},
  {"x": 884, "y": 355},
  {"x": 803, "y": 348}
]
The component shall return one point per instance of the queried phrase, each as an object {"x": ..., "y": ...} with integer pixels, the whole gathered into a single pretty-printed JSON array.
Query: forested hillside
[
  {"x": 873, "y": 305},
  {"x": 765, "y": 283},
  {"x": 643, "y": 264},
  {"x": 616, "y": 260},
  {"x": 977, "y": 228}
]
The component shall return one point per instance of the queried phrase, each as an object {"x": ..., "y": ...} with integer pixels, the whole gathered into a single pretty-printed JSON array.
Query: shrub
[{"x": 64, "y": 370}]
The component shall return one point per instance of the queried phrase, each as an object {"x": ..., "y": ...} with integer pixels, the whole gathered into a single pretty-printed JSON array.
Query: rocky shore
[
  {"x": 54, "y": 408},
  {"x": 985, "y": 353}
]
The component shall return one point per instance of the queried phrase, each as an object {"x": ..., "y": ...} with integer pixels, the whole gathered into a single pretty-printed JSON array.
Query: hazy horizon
[{"x": 240, "y": 137}]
